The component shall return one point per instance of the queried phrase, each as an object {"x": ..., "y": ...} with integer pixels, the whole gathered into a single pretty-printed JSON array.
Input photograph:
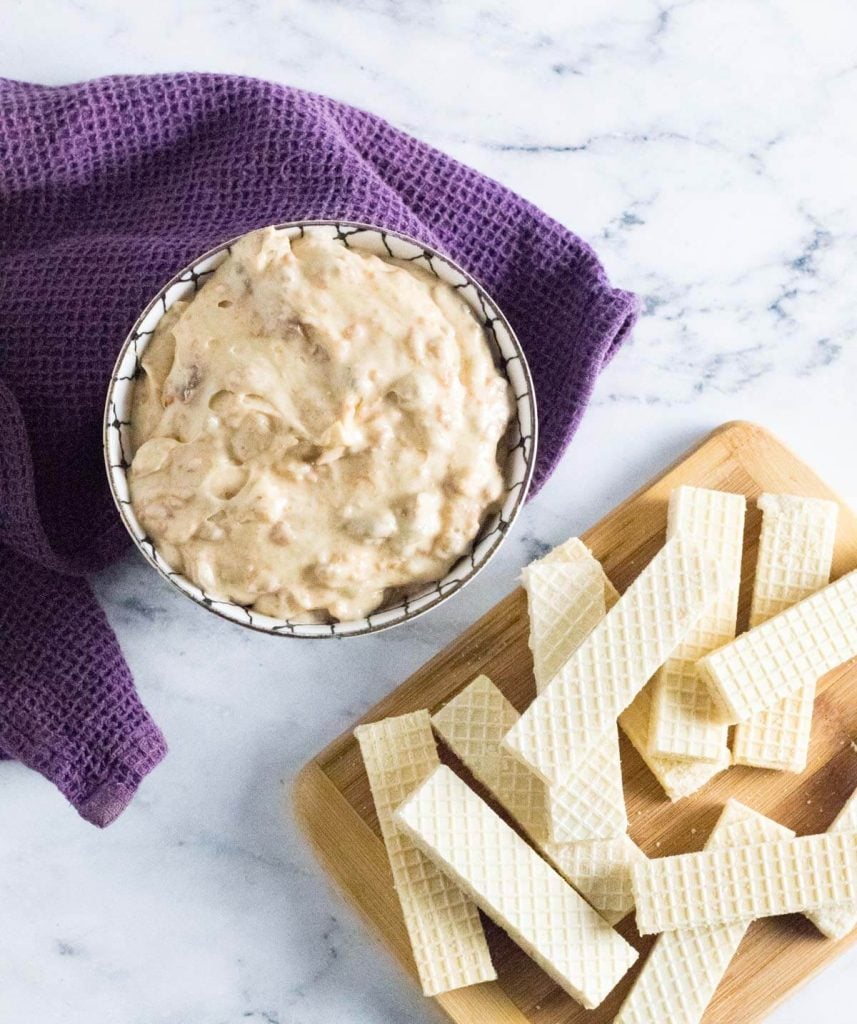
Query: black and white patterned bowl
[{"x": 510, "y": 361}]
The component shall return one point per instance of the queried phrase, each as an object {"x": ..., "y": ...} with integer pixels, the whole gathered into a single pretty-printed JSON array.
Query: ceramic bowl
[{"x": 510, "y": 361}]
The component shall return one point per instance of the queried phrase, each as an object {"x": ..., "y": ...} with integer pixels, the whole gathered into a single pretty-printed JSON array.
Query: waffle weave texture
[{"x": 106, "y": 189}]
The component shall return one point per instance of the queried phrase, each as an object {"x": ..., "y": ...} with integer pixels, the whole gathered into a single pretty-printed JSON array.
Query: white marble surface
[{"x": 707, "y": 149}]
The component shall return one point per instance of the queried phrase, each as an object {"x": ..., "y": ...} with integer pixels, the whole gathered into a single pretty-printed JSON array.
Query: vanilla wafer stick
[
  {"x": 574, "y": 550},
  {"x": 568, "y": 720},
  {"x": 565, "y": 602},
  {"x": 684, "y": 967},
  {"x": 443, "y": 925},
  {"x": 516, "y": 888},
  {"x": 837, "y": 922},
  {"x": 795, "y": 553},
  {"x": 473, "y": 725},
  {"x": 678, "y": 778},
  {"x": 788, "y": 652},
  {"x": 564, "y": 607},
  {"x": 567, "y": 596},
  {"x": 590, "y": 804},
  {"x": 685, "y": 719},
  {"x": 600, "y": 870},
  {"x": 746, "y": 882}
]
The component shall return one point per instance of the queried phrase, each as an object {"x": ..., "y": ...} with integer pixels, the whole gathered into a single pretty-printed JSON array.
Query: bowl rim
[{"x": 328, "y": 631}]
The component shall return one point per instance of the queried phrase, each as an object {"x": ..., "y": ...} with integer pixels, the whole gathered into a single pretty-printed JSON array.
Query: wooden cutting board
[{"x": 334, "y": 806}]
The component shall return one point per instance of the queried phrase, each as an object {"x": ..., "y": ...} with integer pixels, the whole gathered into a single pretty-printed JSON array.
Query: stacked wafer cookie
[
  {"x": 679, "y": 722},
  {"x": 664, "y": 663}
]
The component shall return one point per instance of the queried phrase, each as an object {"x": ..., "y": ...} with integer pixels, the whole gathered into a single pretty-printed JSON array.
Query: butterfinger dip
[{"x": 316, "y": 427}]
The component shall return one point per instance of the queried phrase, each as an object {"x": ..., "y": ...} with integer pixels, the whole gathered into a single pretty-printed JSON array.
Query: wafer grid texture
[
  {"x": 443, "y": 925},
  {"x": 565, "y": 602},
  {"x": 678, "y": 778},
  {"x": 519, "y": 890},
  {"x": 686, "y": 721},
  {"x": 789, "y": 651},
  {"x": 600, "y": 870},
  {"x": 473, "y": 725},
  {"x": 568, "y": 593},
  {"x": 837, "y": 922},
  {"x": 795, "y": 555},
  {"x": 746, "y": 882},
  {"x": 567, "y": 597},
  {"x": 590, "y": 804},
  {"x": 778, "y": 737},
  {"x": 562, "y": 604},
  {"x": 564, "y": 609},
  {"x": 684, "y": 967},
  {"x": 563, "y": 726},
  {"x": 570, "y": 551},
  {"x": 795, "y": 552}
]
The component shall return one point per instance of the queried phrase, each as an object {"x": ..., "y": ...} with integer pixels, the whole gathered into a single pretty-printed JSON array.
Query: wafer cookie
[
  {"x": 571, "y": 550},
  {"x": 565, "y": 602},
  {"x": 568, "y": 720},
  {"x": 837, "y": 922},
  {"x": 590, "y": 803},
  {"x": 443, "y": 925},
  {"x": 567, "y": 593},
  {"x": 685, "y": 966},
  {"x": 789, "y": 651},
  {"x": 516, "y": 888},
  {"x": 600, "y": 869},
  {"x": 473, "y": 725},
  {"x": 575, "y": 551},
  {"x": 795, "y": 553},
  {"x": 745, "y": 882},
  {"x": 685, "y": 719},
  {"x": 678, "y": 778}
]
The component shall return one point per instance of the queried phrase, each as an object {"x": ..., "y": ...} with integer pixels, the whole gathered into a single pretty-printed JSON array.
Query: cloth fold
[{"x": 106, "y": 189}]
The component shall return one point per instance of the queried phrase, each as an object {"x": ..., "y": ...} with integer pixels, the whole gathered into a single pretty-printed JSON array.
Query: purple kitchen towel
[{"x": 106, "y": 189}]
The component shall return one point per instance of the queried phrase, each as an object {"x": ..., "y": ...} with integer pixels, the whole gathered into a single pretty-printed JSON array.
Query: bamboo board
[{"x": 334, "y": 806}]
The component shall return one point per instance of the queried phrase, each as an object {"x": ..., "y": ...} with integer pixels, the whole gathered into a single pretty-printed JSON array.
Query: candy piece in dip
[{"x": 316, "y": 428}]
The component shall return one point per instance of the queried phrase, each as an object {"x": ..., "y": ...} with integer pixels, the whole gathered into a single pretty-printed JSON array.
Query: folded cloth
[{"x": 106, "y": 189}]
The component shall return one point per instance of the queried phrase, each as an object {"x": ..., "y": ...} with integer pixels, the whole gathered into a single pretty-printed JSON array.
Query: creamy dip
[{"x": 316, "y": 427}]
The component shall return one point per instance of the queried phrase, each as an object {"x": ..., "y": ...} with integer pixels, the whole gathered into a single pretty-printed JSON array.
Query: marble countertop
[{"x": 706, "y": 149}]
